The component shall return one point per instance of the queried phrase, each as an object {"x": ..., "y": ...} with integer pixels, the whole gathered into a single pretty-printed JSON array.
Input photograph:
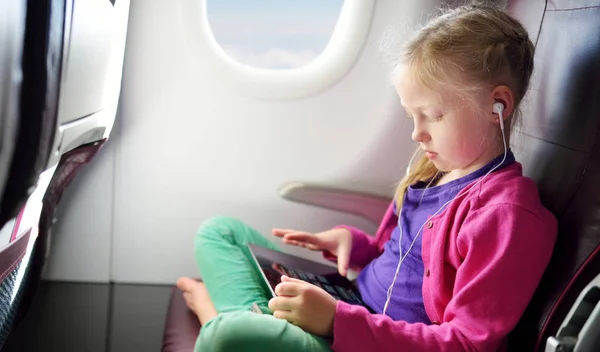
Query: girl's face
[{"x": 457, "y": 138}]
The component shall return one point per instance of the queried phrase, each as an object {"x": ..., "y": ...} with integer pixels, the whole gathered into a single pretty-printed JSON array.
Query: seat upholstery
[
  {"x": 557, "y": 144},
  {"x": 182, "y": 326},
  {"x": 559, "y": 149}
]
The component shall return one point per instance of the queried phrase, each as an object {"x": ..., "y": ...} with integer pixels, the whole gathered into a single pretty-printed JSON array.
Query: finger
[
  {"x": 281, "y": 303},
  {"x": 291, "y": 280},
  {"x": 294, "y": 243},
  {"x": 343, "y": 258},
  {"x": 287, "y": 288},
  {"x": 309, "y": 246},
  {"x": 281, "y": 232},
  {"x": 285, "y": 315},
  {"x": 313, "y": 247},
  {"x": 303, "y": 237}
]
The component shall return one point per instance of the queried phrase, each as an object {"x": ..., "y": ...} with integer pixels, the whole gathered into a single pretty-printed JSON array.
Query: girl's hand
[
  {"x": 304, "y": 305},
  {"x": 337, "y": 241}
]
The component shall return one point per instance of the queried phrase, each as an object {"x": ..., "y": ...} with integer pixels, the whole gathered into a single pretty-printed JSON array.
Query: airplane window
[{"x": 273, "y": 34}]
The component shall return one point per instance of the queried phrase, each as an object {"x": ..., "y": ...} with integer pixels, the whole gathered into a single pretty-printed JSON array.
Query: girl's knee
[
  {"x": 220, "y": 232},
  {"x": 217, "y": 225}
]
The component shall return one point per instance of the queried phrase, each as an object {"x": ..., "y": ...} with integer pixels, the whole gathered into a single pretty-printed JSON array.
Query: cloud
[
  {"x": 266, "y": 25},
  {"x": 258, "y": 18},
  {"x": 272, "y": 58}
]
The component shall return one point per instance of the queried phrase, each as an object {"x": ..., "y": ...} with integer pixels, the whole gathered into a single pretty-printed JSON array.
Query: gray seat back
[{"x": 558, "y": 146}]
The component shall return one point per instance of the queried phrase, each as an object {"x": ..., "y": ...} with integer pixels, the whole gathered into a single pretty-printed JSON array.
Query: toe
[
  {"x": 188, "y": 298},
  {"x": 186, "y": 284}
]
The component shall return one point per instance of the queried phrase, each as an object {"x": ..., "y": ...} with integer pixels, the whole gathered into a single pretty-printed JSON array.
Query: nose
[{"x": 420, "y": 133}]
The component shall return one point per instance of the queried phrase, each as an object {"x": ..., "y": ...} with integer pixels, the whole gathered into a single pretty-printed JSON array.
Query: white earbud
[{"x": 498, "y": 108}]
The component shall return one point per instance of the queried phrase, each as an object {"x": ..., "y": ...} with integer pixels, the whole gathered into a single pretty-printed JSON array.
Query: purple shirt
[{"x": 419, "y": 204}]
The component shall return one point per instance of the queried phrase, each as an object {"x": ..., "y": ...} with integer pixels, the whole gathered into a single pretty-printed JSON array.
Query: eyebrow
[{"x": 421, "y": 106}]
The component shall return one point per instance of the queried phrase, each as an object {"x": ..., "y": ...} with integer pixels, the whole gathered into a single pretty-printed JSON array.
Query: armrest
[
  {"x": 579, "y": 330},
  {"x": 367, "y": 205}
]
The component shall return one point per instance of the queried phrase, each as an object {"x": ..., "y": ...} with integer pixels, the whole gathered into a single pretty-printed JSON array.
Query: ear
[{"x": 504, "y": 95}]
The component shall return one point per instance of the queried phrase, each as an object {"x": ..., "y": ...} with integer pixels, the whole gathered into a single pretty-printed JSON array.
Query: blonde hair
[{"x": 468, "y": 48}]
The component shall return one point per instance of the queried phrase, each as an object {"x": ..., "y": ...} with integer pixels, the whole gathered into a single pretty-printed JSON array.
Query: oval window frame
[{"x": 339, "y": 56}]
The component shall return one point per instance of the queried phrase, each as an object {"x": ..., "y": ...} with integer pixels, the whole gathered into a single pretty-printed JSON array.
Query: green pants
[{"x": 233, "y": 285}]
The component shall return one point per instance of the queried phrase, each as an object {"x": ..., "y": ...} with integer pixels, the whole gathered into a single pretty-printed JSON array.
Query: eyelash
[
  {"x": 435, "y": 119},
  {"x": 431, "y": 119}
]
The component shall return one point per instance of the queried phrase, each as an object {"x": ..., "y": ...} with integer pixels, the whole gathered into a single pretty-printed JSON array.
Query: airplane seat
[
  {"x": 558, "y": 145},
  {"x": 182, "y": 326}
]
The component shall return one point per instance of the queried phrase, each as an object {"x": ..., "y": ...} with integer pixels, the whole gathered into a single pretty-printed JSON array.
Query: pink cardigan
[{"x": 484, "y": 256}]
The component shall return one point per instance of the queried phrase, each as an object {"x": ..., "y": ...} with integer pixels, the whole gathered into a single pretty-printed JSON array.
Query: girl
[{"x": 459, "y": 252}]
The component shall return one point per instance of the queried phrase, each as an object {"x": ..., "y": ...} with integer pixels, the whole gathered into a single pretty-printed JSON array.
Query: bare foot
[{"x": 197, "y": 299}]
